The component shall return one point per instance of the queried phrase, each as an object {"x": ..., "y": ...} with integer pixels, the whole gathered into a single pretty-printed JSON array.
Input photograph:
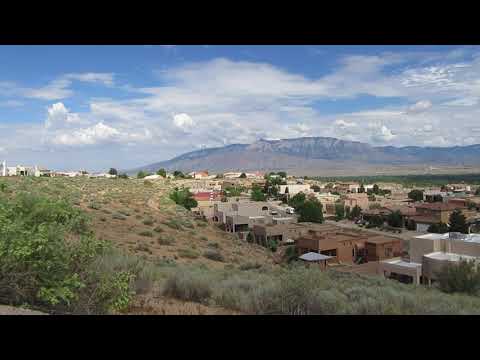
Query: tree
[
  {"x": 162, "y": 172},
  {"x": 361, "y": 189},
  {"x": 178, "y": 174},
  {"x": 113, "y": 171},
  {"x": 282, "y": 174},
  {"x": 376, "y": 189},
  {"x": 339, "y": 212},
  {"x": 297, "y": 201},
  {"x": 311, "y": 211},
  {"x": 375, "y": 220},
  {"x": 395, "y": 219},
  {"x": 123, "y": 176},
  {"x": 416, "y": 195},
  {"x": 355, "y": 212},
  {"x": 462, "y": 277},
  {"x": 477, "y": 192},
  {"x": 348, "y": 212},
  {"x": 458, "y": 222},
  {"x": 234, "y": 190},
  {"x": 184, "y": 197},
  {"x": 440, "y": 228},
  {"x": 243, "y": 176},
  {"x": 286, "y": 190},
  {"x": 315, "y": 188},
  {"x": 257, "y": 194},
  {"x": 141, "y": 174},
  {"x": 411, "y": 225}
]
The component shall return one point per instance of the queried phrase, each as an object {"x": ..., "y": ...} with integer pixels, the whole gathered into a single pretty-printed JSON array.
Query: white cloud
[
  {"x": 420, "y": 106},
  {"x": 103, "y": 78},
  {"x": 380, "y": 133},
  {"x": 93, "y": 135},
  {"x": 59, "y": 115},
  {"x": 183, "y": 121}
]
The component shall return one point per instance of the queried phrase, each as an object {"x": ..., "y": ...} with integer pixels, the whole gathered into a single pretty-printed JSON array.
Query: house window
[{"x": 388, "y": 252}]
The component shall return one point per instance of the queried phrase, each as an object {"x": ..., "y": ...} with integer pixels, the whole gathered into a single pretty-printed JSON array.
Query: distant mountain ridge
[{"x": 315, "y": 154}]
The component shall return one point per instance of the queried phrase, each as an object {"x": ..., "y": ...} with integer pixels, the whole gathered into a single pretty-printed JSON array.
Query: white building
[{"x": 294, "y": 189}]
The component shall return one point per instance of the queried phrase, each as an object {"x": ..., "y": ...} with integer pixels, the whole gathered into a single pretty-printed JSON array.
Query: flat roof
[
  {"x": 402, "y": 263},
  {"x": 474, "y": 238},
  {"x": 313, "y": 256},
  {"x": 448, "y": 256}
]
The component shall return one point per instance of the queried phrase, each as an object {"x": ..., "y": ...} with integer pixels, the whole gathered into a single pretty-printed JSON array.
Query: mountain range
[{"x": 314, "y": 155}]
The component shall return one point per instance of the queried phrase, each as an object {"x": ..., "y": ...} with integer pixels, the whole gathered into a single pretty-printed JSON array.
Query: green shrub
[
  {"x": 187, "y": 286},
  {"x": 158, "y": 229},
  {"x": 148, "y": 222},
  {"x": 214, "y": 255},
  {"x": 146, "y": 233},
  {"x": 40, "y": 268},
  {"x": 94, "y": 206},
  {"x": 118, "y": 216},
  {"x": 165, "y": 240},
  {"x": 187, "y": 253}
]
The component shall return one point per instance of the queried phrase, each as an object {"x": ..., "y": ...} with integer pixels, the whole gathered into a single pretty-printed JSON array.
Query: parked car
[{"x": 290, "y": 210}]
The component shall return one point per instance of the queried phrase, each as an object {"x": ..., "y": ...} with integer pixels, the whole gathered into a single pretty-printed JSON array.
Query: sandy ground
[{"x": 10, "y": 310}]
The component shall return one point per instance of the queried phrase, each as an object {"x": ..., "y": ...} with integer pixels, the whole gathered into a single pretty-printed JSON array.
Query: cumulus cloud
[
  {"x": 183, "y": 121},
  {"x": 96, "y": 134},
  {"x": 420, "y": 106},
  {"x": 59, "y": 115},
  {"x": 380, "y": 133}
]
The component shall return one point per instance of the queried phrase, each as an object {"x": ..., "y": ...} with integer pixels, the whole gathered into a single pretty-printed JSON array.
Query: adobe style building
[
  {"x": 349, "y": 246},
  {"x": 360, "y": 200},
  {"x": 429, "y": 253},
  {"x": 427, "y": 214}
]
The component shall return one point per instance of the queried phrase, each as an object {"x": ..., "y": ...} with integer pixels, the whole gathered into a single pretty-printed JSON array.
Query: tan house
[{"x": 360, "y": 200}]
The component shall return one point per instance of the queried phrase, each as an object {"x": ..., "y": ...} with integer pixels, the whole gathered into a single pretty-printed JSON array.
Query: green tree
[
  {"x": 178, "y": 174},
  {"x": 162, "y": 172},
  {"x": 375, "y": 221},
  {"x": 395, "y": 219},
  {"x": 282, "y": 174},
  {"x": 297, "y": 201},
  {"x": 411, "y": 225},
  {"x": 477, "y": 191},
  {"x": 113, "y": 171},
  {"x": 376, "y": 189},
  {"x": 243, "y": 176},
  {"x": 440, "y": 228},
  {"x": 348, "y": 212},
  {"x": 416, "y": 195},
  {"x": 141, "y": 174},
  {"x": 462, "y": 277},
  {"x": 257, "y": 194},
  {"x": 315, "y": 188},
  {"x": 123, "y": 176},
  {"x": 183, "y": 197},
  {"x": 361, "y": 189},
  {"x": 311, "y": 211},
  {"x": 355, "y": 212},
  {"x": 458, "y": 222},
  {"x": 339, "y": 212}
]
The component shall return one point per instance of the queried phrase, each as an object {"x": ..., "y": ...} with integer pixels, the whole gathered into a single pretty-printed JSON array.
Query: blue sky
[{"x": 95, "y": 107}]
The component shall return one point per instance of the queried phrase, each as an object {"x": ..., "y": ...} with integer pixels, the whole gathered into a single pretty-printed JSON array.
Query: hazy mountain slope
[{"x": 314, "y": 154}]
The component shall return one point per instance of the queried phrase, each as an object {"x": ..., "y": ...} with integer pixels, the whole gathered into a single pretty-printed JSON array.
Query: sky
[{"x": 96, "y": 107}]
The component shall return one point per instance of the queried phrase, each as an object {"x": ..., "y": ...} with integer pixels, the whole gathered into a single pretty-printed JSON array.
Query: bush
[
  {"x": 165, "y": 240},
  {"x": 158, "y": 229},
  {"x": 250, "y": 266},
  {"x": 148, "y": 222},
  {"x": 118, "y": 216},
  {"x": 146, "y": 233},
  {"x": 187, "y": 253},
  {"x": 187, "y": 286},
  {"x": 39, "y": 267},
  {"x": 94, "y": 206},
  {"x": 214, "y": 255},
  {"x": 462, "y": 277}
]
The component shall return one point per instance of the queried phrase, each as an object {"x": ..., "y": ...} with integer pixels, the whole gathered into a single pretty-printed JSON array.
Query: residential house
[
  {"x": 427, "y": 214},
  {"x": 429, "y": 253},
  {"x": 352, "y": 200},
  {"x": 294, "y": 189}
]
